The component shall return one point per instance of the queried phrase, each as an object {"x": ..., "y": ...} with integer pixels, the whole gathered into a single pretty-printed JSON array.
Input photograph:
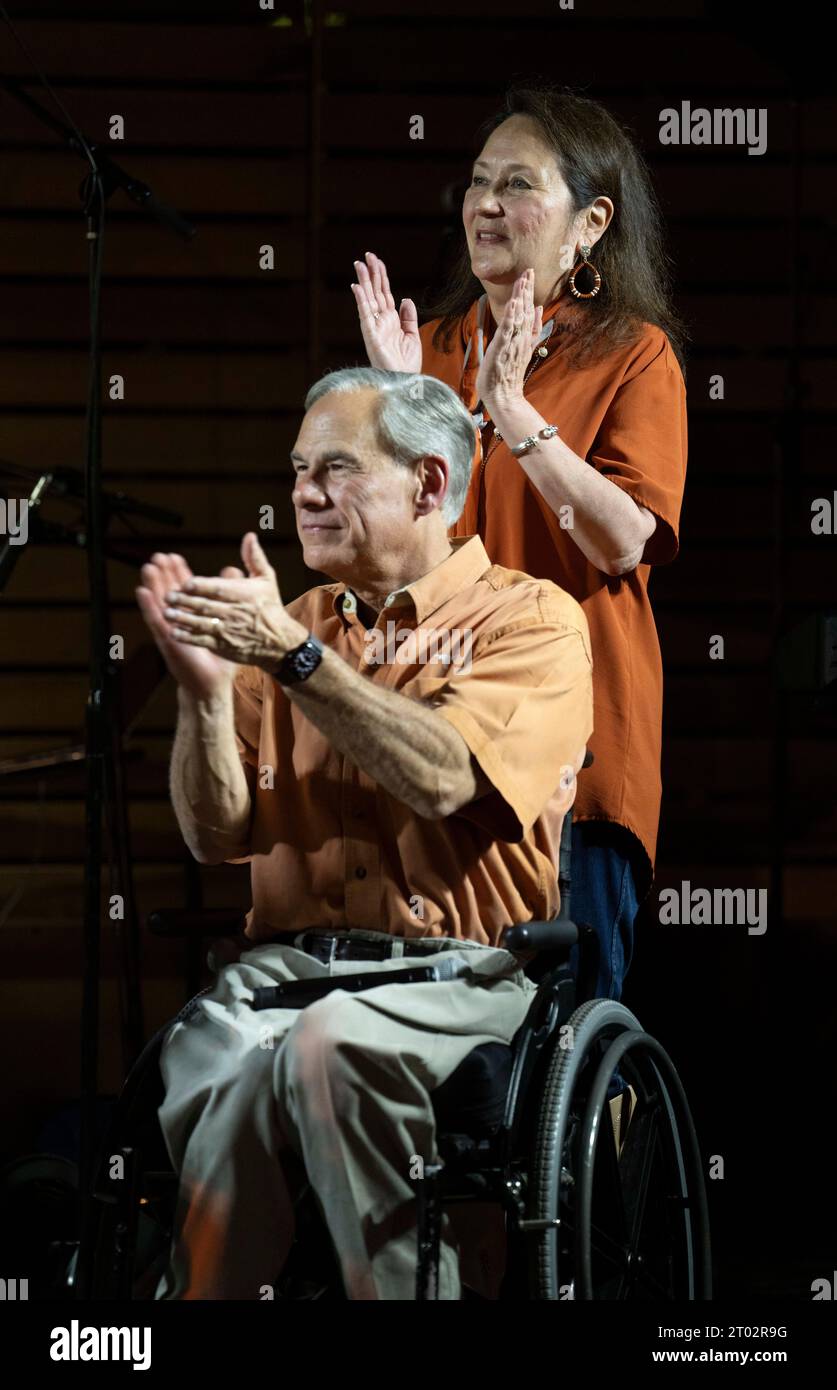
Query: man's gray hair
[{"x": 417, "y": 415}]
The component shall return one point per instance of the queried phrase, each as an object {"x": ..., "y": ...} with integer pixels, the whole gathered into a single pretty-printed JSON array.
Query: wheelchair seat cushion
[{"x": 473, "y": 1099}]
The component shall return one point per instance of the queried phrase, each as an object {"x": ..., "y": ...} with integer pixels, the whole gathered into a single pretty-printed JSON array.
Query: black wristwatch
[{"x": 298, "y": 664}]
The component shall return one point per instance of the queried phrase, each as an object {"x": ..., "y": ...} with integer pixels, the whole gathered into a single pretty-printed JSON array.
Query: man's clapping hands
[{"x": 206, "y": 627}]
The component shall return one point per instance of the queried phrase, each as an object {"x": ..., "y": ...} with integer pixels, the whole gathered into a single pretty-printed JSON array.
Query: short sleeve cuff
[
  {"x": 521, "y": 815},
  {"x": 664, "y": 545}
]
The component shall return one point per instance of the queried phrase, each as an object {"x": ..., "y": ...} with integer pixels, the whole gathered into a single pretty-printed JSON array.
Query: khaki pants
[{"x": 345, "y": 1085}]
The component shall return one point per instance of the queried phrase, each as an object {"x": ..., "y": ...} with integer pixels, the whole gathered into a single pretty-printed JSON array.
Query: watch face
[
  {"x": 299, "y": 664},
  {"x": 307, "y": 659}
]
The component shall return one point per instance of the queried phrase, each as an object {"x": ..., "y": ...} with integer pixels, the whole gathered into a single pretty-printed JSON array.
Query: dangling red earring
[{"x": 585, "y": 264}]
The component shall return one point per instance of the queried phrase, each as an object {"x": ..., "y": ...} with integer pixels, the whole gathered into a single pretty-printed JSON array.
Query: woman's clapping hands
[
  {"x": 391, "y": 335},
  {"x": 503, "y": 368}
]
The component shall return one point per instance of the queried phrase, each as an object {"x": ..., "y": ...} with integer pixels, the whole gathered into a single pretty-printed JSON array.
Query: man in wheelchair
[{"x": 394, "y": 753}]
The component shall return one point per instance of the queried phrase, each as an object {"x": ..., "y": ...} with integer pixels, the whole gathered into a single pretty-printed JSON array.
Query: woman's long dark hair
[{"x": 597, "y": 156}]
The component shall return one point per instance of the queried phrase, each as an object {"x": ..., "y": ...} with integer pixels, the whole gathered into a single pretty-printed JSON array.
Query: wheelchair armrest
[
  {"x": 210, "y": 921},
  {"x": 540, "y": 936}
]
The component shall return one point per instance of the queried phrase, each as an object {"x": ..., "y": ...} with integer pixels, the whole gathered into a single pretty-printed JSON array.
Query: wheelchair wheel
[
  {"x": 616, "y": 1223},
  {"x": 136, "y": 1211},
  {"x": 136, "y": 1215},
  {"x": 310, "y": 1272},
  {"x": 126, "y": 1269}
]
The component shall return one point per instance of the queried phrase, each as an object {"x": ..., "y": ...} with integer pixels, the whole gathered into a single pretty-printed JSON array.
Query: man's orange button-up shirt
[{"x": 331, "y": 847}]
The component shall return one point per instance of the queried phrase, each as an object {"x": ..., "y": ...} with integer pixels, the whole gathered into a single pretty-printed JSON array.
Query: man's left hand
[{"x": 242, "y": 619}]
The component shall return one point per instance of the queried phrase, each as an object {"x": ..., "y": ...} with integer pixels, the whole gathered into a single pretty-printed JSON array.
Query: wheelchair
[{"x": 579, "y": 1132}]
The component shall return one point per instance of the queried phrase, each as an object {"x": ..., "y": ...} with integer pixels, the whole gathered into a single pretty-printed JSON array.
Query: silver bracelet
[{"x": 531, "y": 440}]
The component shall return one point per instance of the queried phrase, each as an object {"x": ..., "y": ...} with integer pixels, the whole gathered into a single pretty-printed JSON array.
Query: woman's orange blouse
[{"x": 626, "y": 415}]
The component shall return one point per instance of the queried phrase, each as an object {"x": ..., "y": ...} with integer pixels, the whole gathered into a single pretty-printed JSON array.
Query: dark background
[{"x": 292, "y": 128}]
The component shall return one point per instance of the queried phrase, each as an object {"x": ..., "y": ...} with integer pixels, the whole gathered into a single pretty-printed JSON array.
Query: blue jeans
[{"x": 603, "y": 895}]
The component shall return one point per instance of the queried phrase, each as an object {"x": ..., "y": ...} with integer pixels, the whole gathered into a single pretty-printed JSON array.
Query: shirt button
[{"x": 360, "y": 872}]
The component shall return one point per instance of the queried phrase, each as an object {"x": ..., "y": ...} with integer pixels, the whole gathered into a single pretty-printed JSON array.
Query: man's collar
[{"x": 457, "y": 571}]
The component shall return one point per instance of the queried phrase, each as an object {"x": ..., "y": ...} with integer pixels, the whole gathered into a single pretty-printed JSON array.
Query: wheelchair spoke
[
  {"x": 609, "y": 1243},
  {"x": 635, "y": 1167},
  {"x": 616, "y": 1250},
  {"x": 608, "y": 1249},
  {"x": 662, "y": 1232},
  {"x": 653, "y": 1288},
  {"x": 652, "y": 1229}
]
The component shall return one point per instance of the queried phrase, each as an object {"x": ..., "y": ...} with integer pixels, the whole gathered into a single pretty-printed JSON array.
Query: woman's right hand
[{"x": 392, "y": 338}]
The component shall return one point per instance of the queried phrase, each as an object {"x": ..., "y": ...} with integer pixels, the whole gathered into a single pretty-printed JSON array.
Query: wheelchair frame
[
  {"x": 492, "y": 1167},
  {"x": 548, "y": 1200}
]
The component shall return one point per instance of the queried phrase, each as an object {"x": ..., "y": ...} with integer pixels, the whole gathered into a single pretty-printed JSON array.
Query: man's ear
[{"x": 432, "y": 476}]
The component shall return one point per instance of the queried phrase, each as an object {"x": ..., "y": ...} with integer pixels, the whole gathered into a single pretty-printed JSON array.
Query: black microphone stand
[{"x": 105, "y": 777}]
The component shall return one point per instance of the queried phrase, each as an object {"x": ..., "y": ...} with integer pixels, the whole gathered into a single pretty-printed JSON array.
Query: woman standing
[{"x": 580, "y": 405}]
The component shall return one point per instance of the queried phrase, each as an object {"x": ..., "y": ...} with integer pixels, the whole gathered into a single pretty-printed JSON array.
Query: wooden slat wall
[{"x": 214, "y": 354}]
